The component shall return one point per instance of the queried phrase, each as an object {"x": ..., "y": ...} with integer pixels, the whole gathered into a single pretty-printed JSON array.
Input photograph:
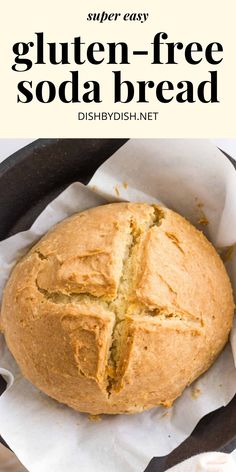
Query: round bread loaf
[{"x": 118, "y": 308}]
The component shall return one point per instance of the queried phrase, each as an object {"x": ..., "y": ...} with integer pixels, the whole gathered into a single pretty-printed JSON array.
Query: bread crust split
[{"x": 117, "y": 309}]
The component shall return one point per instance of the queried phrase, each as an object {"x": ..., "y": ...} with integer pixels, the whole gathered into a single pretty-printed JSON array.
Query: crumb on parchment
[
  {"x": 202, "y": 219},
  {"x": 167, "y": 413},
  {"x": 116, "y": 188},
  {"x": 94, "y": 418},
  {"x": 195, "y": 393},
  {"x": 200, "y": 204}
]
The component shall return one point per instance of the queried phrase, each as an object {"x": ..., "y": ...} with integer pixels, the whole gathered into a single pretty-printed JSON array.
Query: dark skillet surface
[{"x": 29, "y": 180}]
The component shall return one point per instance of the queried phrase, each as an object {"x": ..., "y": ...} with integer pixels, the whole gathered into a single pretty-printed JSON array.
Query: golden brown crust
[{"x": 118, "y": 308}]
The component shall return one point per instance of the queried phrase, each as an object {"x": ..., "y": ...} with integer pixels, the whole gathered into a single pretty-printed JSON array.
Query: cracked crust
[{"x": 118, "y": 308}]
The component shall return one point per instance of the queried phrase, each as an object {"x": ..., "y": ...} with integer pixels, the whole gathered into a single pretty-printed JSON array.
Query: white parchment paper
[{"x": 193, "y": 178}]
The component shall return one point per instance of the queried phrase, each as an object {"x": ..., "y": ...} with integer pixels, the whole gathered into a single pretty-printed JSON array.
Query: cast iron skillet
[{"x": 29, "y": 180}]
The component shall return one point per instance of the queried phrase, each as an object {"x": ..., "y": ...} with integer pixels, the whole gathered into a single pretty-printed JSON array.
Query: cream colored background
[{"x": 183, "y": 20}]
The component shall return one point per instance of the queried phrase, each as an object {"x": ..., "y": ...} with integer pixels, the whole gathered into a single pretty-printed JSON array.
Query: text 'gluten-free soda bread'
[{"x": 118, "y": 308}]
